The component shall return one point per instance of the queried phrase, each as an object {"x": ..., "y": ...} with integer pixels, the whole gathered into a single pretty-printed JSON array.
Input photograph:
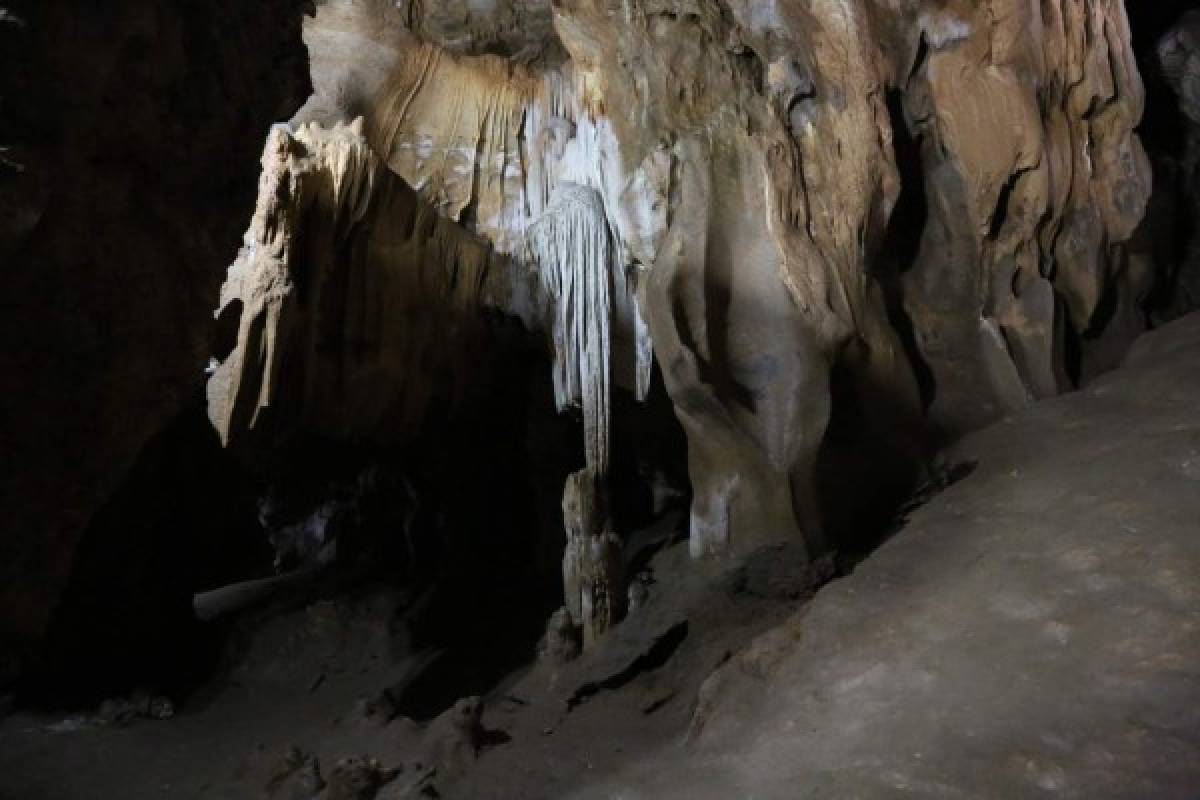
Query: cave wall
[
  {"x": 745, "y": 158},
  {"x": 129, "y": 135},
  {"x": 748, "y": 158},
  {"x": 1036, "y": 182}
]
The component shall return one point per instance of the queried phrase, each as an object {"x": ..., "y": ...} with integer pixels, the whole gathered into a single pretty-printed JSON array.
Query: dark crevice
[
  {"x": 1072, "y": 350},
  {"x": 226, "y": 334},
  {"x": 920, "y": 58},
  {"x": 1106, "y": 309},
  {"x": 939, "y": 479},
  {"x": 1000, "y": 215},
  {"x": 864, "y": 470},
  {"x": 902, "y": 241}
]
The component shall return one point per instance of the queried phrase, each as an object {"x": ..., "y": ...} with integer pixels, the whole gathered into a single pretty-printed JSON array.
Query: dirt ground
[{"x": 1033, "y": 630}]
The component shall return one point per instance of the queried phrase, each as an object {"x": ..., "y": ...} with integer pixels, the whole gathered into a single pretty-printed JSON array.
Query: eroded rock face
[
  {"x": 128, "y": 135},
  {"x": 343, "y": 329},
  {"x": 1034, "y": 179},
  {"x": 718, "y": 183}
]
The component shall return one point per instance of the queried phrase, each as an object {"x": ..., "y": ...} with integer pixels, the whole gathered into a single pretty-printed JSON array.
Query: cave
[{"x": 595, "y": 399}]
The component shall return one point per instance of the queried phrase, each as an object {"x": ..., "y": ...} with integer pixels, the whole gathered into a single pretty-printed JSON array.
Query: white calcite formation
[{"x": 576, "y": 261}]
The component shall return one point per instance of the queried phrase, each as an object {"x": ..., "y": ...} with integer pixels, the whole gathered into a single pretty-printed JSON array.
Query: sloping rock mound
[{"x": 1033, "y": 629}]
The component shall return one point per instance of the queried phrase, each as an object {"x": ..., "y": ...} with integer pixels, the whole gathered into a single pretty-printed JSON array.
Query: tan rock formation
[
  {"x": 734, "y": 166},
  {"x": 1035, "y": 179},
  {"x": 356, "y": 300}
]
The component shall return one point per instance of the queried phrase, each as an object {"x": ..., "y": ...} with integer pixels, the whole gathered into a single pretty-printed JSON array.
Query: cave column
[{"x": 573, "y": 250}]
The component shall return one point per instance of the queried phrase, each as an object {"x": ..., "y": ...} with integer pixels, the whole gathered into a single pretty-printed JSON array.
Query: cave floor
[{"x": 1032, "y": 630}]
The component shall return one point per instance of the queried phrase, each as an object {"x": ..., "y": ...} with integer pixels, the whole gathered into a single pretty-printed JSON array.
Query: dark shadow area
[
  {"x": 938, "y": 479},
  {"x": 486, "y": 529},
  {"x": 648, "y": 459},
  {"x": 1168, "y": 231},
  {"x": 466, "y": 519},
  {"x": 867, "y": 468},
  {"x": 497, "y": 577},
  {"x": 863, "y": 474},
  {"x": 1161, "y": 130},
  {"x": 902, "y": 241},
  {"x": 1072, "y": 345},
  {"x": 226, "y": 333},
  {"x": 183, "y": 521}
]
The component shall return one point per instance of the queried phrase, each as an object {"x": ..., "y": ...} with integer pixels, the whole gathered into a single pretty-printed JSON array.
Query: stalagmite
[{"x": 593, "y": 561}]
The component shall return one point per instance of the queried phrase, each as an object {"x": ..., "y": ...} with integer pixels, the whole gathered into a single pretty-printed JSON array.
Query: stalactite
[{"x": 573, "y": 251}]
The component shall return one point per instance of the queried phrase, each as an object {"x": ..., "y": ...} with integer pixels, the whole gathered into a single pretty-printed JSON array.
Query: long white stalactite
[{"x": 573, "y": 250}]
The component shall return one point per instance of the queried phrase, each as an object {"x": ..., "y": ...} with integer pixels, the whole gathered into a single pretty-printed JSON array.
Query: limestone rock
[
  {"x": 455, "y": 737},
  {"x": 756, "y": 195},
  {"x": 1034, "y": 179},
  {"x": 353, "y": 298},
  {"x": 519, "y": 29}
]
